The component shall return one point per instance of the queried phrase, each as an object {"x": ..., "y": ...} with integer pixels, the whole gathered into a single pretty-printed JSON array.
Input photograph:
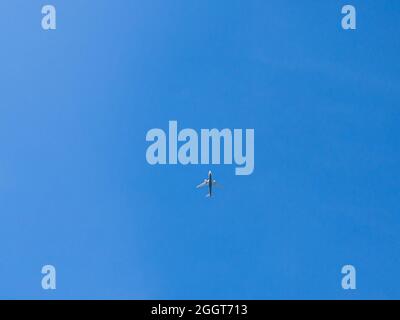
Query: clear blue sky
[{"x": 76, "y": 190}]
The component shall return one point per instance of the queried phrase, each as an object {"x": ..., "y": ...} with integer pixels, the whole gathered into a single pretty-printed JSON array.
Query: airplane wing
[
  {"x": 217, "y": 184},
  {"x": 204, "y": 183}
]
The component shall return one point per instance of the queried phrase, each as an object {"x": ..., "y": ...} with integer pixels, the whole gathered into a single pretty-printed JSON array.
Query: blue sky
[{"x": 76, "y": 190}]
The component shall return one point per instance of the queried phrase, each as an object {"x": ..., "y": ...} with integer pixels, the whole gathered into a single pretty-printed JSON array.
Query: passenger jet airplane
[{"x": 208, "y": 182}]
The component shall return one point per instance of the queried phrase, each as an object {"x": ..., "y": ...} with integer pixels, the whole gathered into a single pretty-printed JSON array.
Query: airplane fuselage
[{"x": 210, "y": 181}]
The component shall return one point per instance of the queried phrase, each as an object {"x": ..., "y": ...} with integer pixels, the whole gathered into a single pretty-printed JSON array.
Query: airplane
[{"x": 210, "y": 183}]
